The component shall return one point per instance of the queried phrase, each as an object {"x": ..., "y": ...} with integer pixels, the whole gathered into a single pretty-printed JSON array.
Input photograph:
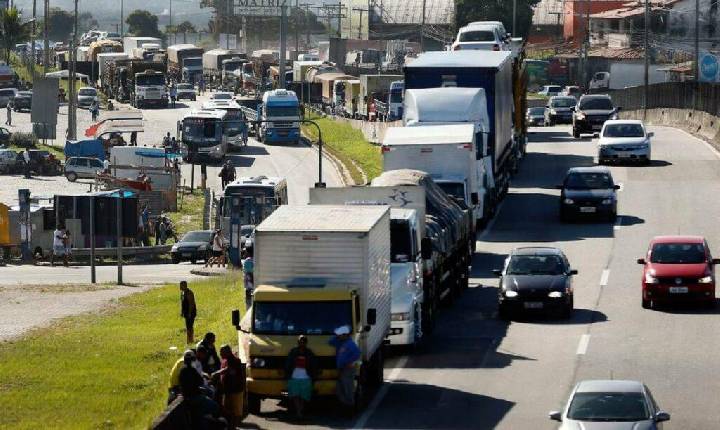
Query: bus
[
  {"x": 246, "y": 202},
  {"x": 234, "y": 121},
  {"x": 203, "y": 134}
]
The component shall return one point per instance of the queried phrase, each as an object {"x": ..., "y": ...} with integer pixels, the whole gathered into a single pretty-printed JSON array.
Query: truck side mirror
[
  {"x": 474, "y": 198},
  {"x": 426, "y": 248},
  {"x": 236, "y": 318},
  {"x": 371, "y": 316}
]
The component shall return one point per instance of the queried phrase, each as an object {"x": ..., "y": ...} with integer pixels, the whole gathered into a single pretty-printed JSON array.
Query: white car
[
  {"x": 550, "y": 90},
  {"x": 82, "y": 167},
  {"x": 481, "y": 36},
  {"x": 624, "y": 140},
  {"x": 87, "y": 97},
  {"x": 222, "y": 95}
]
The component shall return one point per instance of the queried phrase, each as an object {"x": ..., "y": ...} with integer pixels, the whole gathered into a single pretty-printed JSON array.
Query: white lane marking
[
  {"x": 583, "y": 345},
  {"x": 360, "y": 423},
  {"x": 604, "y": 277}
]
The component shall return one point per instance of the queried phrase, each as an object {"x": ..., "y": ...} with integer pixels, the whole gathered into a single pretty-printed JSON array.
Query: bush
[{"x": 23, "y": 140}]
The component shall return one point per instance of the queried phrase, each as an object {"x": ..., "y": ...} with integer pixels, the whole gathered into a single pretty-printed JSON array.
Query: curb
[{"x": 210, "y": 272}]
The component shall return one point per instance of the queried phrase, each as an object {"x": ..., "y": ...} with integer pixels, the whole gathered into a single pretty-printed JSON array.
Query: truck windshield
[
  {"x": 400, "y": 241},
  {"x": 294, "y": 318},
  {"x": 192, "y": 62},
  {"x": 454, "y": 189},
  {"x": 229, "y": 67},
  {"x": 396, "y": 96},
  {"x": 154, "y": 80},
  {"x": 253, "y": 204},
  {"x": 281, "y": 111}
]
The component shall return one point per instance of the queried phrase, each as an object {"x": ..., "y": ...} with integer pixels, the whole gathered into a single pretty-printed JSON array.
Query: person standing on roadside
[
  {"x": 26, "y": 158},
  {"x": 133, "y": 138},
  {"x": 231, "y": 378},
  {"x": 300, "y": 371},
  {"x": 248, "y": 266},
  {"x": 58, "y": 246},
  {"x": 173, "y": 95},
  {"x": 67, "y": 241},
  {"x": 347, "y": 353},
  {"x": 8, "y": 108},
  {"x": 188, "y": 309}
]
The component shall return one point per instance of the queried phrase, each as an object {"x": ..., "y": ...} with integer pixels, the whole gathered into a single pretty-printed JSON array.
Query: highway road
[{"x": 482, "y": 373}]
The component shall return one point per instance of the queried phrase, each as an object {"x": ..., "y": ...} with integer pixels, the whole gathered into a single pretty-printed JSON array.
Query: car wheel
[
  {"x": 710, "y": 304},
  {"x": 72, "y": 176},
  {"x": 647, "y": 304},
  {"x": 613, "y": 217},
  {"x": 576, "y": 133},
  {"x": 175, "y": 259},
  {"x": 193, "y": 260},
  {"x": 564, "y": 216},
  {"x": 568, "y": 310}
]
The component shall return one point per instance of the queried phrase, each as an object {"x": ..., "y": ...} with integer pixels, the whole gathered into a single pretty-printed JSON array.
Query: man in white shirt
[{"x": 59, "y": 246}]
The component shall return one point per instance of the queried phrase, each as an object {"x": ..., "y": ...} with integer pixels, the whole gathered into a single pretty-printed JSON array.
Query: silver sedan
[{"x": 624, "y": 140}]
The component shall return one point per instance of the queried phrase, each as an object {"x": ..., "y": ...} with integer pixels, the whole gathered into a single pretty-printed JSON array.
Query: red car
[{"x": 678, "y": 268}]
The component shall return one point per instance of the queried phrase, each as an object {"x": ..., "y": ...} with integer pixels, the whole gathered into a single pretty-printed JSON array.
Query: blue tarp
[{"x": 85, "y": 148}]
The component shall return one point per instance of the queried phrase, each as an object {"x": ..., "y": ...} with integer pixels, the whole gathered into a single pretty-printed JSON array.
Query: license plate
[
  {"x": 678, "y": 290},
  {"x": 186, "y": 254},
  {"x": 588, "y": 210},
  {"x": 533, "y": 305}
]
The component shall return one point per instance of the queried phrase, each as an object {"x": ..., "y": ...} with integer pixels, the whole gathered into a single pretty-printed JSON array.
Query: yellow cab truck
[{"x": 317, "y": 268}]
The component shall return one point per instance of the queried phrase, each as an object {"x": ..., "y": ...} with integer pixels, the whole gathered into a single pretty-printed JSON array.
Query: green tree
[
  {"x": 60, "y": 24},
  {"x": 12, "y": 30},
  {"x": 86, "y": 22},
  {"x": 142, "y": 23},
  {"x": 496, "y": 10},
  {"x": 183, "y": 27}
]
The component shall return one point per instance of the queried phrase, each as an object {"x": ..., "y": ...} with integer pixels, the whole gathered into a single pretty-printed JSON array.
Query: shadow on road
[
  {"x": 240, "y": 160},
  {"x": 629, "y": 220},
  {"x": 688, "y": 308},
  {"x": 579, "y": 317},
  {"x": 551, "y": 136},
  {"x": 426, "y": 406},
  {"x": 547, "y": 170},
  {"x": 251, "y": 150}
]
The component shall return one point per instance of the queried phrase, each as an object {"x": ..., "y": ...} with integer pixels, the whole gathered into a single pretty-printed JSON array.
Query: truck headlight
[
  {"x": 511, "y": 294},
  {"x": 257, "y": 362},
  {"x": 555, "y": 294},
  {"x": 400, "y": 316},
  {"x": 553, "y": 112}
]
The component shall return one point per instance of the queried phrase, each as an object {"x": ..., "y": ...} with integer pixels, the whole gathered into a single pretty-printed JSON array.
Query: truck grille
[
  {"x": 283, "y": 124},
  {"x": 276, "y": 362}
]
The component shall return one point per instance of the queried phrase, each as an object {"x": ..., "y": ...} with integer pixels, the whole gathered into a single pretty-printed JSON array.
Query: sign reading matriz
[{"x": 260, "y": 7}]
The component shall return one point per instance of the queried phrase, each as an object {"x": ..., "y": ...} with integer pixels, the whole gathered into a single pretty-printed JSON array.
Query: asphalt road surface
[{"x": 482, "y": 373}]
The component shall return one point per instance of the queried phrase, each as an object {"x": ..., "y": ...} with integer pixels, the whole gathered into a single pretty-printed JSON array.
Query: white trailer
[
  {"x": 131, "y": 43},
  {"x": 446, "y": 152},
  {"x": 105, "y": 58}
]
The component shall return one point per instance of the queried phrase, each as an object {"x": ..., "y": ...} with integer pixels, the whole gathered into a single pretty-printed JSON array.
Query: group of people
[
  {"x": 162, "y": 228},
  {"x": 218, "y": 245},
  {"x": 170, "y": 143},
  {"x": 301, "y": 367},
  {"x": 62, "y": 245}
]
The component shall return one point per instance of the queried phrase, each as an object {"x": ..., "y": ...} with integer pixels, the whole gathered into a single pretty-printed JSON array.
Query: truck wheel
[{"x": 254, "y": 404}]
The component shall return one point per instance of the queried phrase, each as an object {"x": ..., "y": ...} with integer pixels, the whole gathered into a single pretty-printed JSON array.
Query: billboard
[
  {"x": 261, "y": 7},
  {"x": 45, "y": 101}
]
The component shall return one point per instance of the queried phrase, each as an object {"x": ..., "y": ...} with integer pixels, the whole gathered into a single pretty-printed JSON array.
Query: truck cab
[
  {"x": 150, "y": 89},
  {"x": 280, "y": 113},
  {"x": 395, "y": 100},
  {"x": 192, "y": 69}
]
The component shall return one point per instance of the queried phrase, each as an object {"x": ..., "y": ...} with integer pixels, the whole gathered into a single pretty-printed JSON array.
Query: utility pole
[
  {"x": 697, "y": 41},
  {"x": 33, "y": 56},
  {"x": 586, "y": 65},
  {"x": 361, "y": 17},
  {"x": 46, "y": 43},
  {"x": 283, "y": 44},
  {"x": 647, "y": 58},
  {"x": 122, "y": 18},
  {"x": 227, "y": 24},
  {"x": 422, "y": 27},
  {"x": 514, "y": 23},
  {"x": 307, "y": 22},
  {"x": 72, "y": 106},
  {"x": 296, "y": 14},
  {"x": 170, "y": 12}
]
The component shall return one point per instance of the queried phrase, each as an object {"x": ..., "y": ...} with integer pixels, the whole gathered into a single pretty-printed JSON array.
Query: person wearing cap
[
  {"x": 346, "y": 354},
  {"x": 300, "y": 371}
]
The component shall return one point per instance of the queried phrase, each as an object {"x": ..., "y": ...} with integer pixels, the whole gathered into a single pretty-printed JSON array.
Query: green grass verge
[
  {"x": 190, "y": 212},
  {"x": 108, "y": 370},
  {"x": 54, "y": 150},
  {"x": 348, "y": 145},
  {"x": 21, "y": 69}
]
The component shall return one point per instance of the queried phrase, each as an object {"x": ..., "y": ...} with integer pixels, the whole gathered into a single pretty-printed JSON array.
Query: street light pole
[
  {"x": 122, "y": 18},
  {"x": 319, "y": 183},
  {"x": 46, "y": 43},
  {"x": 72, "y": 101},
  {"x": 31, "y": 63},
  {"x": 697, "y": 40}
]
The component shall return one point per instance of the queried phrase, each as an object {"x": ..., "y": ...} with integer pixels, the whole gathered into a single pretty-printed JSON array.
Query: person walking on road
[
  {"x": 58, "y": 246},
  {"x": 166, "y": 140},
  {"x": 173, "y": 95},
  {"x": 95, "y": 111},
  {"x": 26, "y": 159},
  {"x": 188, "y": 309},
  {"x": 347, "y": 353},
  {"x": 8, "y": 109},
  {"x": 248, "y": 266},
  {"x": 232, "y": 386},
  {"x": 300, "y": 371},
  {"x": 67, "y": 241},
  {"x": 218, "y": 248}
]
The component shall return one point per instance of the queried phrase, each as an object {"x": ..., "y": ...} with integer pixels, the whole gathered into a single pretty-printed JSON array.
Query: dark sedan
[
  {"x": 588, "y": 191},
  {"x": 22, "y": 101},
  {"x": 535, "y": 116},
  {"x": 535, "y": 279},
  {"x": 591, "y": 113},
  {"x": 194, "y": 246}
]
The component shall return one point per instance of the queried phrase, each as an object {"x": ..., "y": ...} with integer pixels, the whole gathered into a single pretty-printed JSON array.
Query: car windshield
[
  {"x": 678, "y": 253},
  {"x": 24, "y": 94},
  {"x": 535, "y": 265},
  {"x": 588, "y": 181},
  {"x": 222, "y": 96},
  {"x": 536, "y": 111},
  {"x": 294, "y": 318},
  {"x": 596, "y": 104},
  {"x": 246, "y": 230},
  {"x": 477, "y": 36},
  {"x": 6, "y": 93},
  {"x": 197, "y": 236},
  {"x": 565, "y": 102},
  {"x": 624, "y": 130},
  {"x": 184, "y": 87},
  {"x": 608, "y": 407},
  {"x": 396, "y": 96},
  {"x": 192, "y": 62},
  {"x": 552, "y": 89},
  {"x": 87, "y": 92}
]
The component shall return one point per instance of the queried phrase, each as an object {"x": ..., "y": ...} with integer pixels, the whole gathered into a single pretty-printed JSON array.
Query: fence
[{"x": 703, "y": 97}]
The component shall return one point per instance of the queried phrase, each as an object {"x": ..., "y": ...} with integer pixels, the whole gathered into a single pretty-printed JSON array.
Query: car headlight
[
  {"x": 555, "y": 294},
  {"x": 553, "y": 111},
  {"x": 650, "y": 279},
  {"x": 706, "y": 280},
  {"x": 257, "y": 362},
  {"x": 580, "y": 116},
  {"x": 511, "y": 293},
  {"x": 607, "y": 201},
  {"x": 569, "y": 201},
  {"x": 400, "y": 316}
]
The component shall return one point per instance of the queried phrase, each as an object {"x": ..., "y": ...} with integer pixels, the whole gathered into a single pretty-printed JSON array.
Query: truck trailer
[{"x": 373, "y": 87}]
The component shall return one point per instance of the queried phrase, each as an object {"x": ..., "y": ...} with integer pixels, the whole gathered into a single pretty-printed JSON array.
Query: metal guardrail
[{"x": 129, "y": 251}]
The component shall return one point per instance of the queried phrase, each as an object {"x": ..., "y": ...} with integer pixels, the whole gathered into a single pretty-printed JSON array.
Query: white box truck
[
  {"x": 446, "y": 152},
  {"x": 451, "y": 106},
  {"x": 407, "y": 222},
  {"x": 131, "y": 43},
  {"x": 317, "y": 268}
]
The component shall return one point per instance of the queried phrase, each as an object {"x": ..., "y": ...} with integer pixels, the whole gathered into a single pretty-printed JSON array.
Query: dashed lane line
[{"x": 583, "y": 344}]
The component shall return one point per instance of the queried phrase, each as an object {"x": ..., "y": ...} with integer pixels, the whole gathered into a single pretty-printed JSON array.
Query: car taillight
[{"x": 496, "y": 47}]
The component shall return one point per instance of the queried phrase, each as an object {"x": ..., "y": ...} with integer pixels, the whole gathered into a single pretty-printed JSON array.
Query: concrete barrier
[
  {"x": 700, "y": 124},
  {"x": 374, "y": 132}
]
